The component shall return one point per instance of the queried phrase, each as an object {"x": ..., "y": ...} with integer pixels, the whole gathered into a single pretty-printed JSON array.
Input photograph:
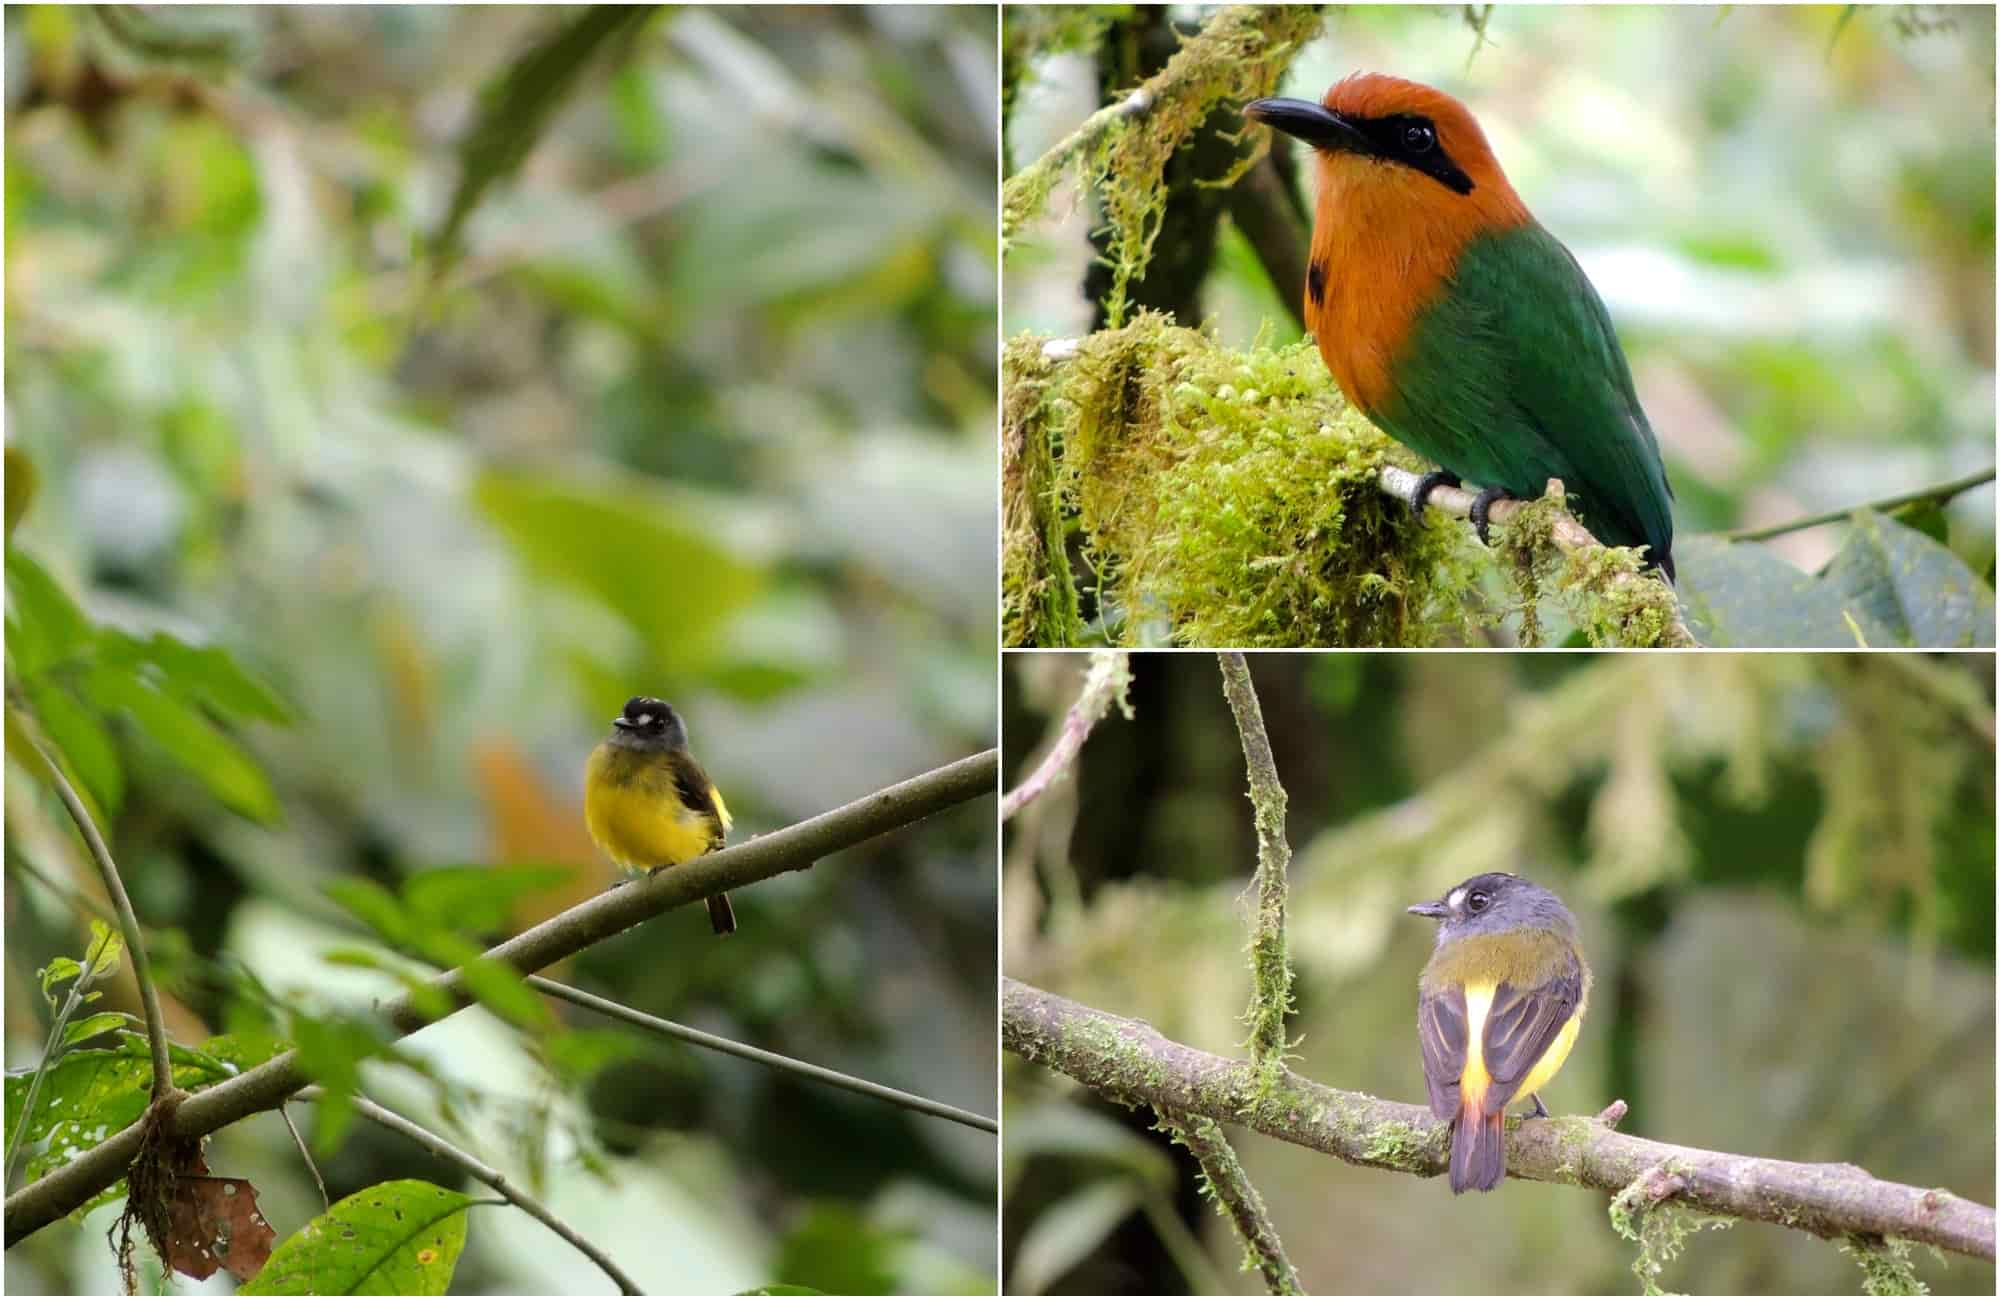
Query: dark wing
[
  {"x": 696, "y": 792},
  {"x": 1441, "y": 1035},
  {"x": 1519, "y": 1028}
]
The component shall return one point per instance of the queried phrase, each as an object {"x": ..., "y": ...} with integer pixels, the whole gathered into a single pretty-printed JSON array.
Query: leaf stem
[{"x": 1940, "y": 493}]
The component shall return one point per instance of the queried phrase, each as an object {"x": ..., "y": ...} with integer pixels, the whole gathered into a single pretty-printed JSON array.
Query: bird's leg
[
  {"x": 1429, "y": 483},
  {"x": 1483, "y": 503},
  {"x": 1541, "y": 1111}
]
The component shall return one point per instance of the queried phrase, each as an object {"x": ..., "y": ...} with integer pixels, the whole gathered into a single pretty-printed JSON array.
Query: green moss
[
  {"x": 1661, "y": 1228},
  {"x": 1886, "y": 1267},
  {"x": 1038, "y": 595}
]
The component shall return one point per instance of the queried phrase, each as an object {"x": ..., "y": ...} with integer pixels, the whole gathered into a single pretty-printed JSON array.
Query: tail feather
[
  {"x": 1478, "y": 1151},
  {"x": 721, "y": 915}
]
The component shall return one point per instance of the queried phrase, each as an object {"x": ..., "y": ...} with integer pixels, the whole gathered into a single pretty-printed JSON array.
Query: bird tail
[
  {"x": 1478, "y": 1150},
  {"x": 721, "y": 915}
]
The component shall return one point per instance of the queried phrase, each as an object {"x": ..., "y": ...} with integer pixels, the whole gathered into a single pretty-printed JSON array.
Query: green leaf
[
  {"x": 79, "y": 736},
  {"x": 1745, "y": 594},
  {"x": 1066, "y": 1232},
  {"x": 477, "y": 899},
  {"x": 43, "y": 623},
  {"x": 1913, "y": 586},
  {"x": 501, "y": 990},
  {"x": 515, "y": 110},
  {"x": 193, "y": 742},
  {"x": 206, "y": 674},
  {"x": 395, "y": 1238},
  {"x": 376, "y": 908},
  {"x": 91, "y": 1026},
  {"x": 579, "y": 1055},
  {"x": 56, "y": 972},
  {"x": 21, "y": 484}
]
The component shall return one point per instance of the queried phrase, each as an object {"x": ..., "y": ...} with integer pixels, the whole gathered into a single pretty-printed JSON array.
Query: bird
[
  {"x": 1498, "y": 1009},
  {"x": 1459, "y": 325},
  {"x": 648, "y": 804}
]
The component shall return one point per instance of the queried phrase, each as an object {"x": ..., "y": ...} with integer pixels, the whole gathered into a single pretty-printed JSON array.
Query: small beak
[
  {"x": 1435, "y": 911},
  {"x": 621, "y": 724},
  {"x": 1320, "y": 127}
]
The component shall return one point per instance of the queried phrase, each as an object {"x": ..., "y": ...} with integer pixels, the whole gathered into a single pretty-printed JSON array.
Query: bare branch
[
  {"x": 1940, "y": 494},
  {"x": 794, "y": 848},
  {"x": 1110, "y": 676},
  {"x": 881, "y": 1092},
  {"x": 487, "y": 1174},
  {"x": 1131, "y": 1062}
]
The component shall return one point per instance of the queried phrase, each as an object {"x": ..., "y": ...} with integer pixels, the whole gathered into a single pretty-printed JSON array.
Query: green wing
[{"x": 1515, "y": 376}]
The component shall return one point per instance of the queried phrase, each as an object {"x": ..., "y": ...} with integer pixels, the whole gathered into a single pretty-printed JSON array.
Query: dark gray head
[
  {"x": 648, "y": 723},
  {"x": 1496, "y": 901}
]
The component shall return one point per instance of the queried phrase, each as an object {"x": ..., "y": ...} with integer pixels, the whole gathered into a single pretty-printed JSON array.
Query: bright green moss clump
[{"x": 1230, "y": 497}]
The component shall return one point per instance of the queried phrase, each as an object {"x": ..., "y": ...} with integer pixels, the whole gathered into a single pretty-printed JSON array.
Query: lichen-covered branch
[
  {"x": 1270, "y": 966},
  {"x": 1237, "y": 1197},
  {"x": 795, "y": 848},
  {"x": 1235, "y": 499},
  {"x": 1131, "y": 1062},
  {"x": 1105, "y": 683}
]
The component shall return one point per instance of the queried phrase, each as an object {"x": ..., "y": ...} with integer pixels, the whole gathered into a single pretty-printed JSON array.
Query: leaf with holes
[{"x": 395, "y": 1238}]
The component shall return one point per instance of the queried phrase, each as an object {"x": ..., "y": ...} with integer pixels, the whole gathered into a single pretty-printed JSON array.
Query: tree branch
[
  {"x": 1571, "y": 536},
  {"x": 128, "y": 923},
  {"x": 1237, "y": 1197},
  {"x": 1131, "y": 1062},
  {"x": 794, "y": 848},
  {"x": 667, "y": 1028},
  {"x": 1110, "y": 676},
  {"x": 1941, "y": 493},
  {"x": 1270, "y": 967},
  {"x": 487, "y": 1174}
]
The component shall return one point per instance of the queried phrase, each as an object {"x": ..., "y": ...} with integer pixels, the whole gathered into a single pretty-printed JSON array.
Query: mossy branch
[
  {"x": 1129, "y": 1061},
  {"x": 1237, "y": 1197},
  {"x": 1270, "y": 966},
  {"x": 1235, "y": 499},
  {"x": 795, "y": 848}
]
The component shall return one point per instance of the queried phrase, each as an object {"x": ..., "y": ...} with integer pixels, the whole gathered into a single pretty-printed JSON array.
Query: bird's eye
[
  {"x": 1418, "y": 137},
  {"x": 1477, "y": 900}
]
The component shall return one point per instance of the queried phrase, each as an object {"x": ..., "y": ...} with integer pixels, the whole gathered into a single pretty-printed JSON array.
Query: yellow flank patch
[
  {"x": 721, "y": 808},
  {"x": 1552, "y": 1060},
  {"x": 641, "y": 823},
  {"x": 1473, "y": 1079}
]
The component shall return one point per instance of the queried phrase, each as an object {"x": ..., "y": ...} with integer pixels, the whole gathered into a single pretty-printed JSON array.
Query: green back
[{"x": 1514, "y": 376}]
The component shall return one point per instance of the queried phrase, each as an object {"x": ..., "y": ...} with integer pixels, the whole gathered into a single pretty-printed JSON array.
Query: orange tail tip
[
  {"x": 721, "y": 915},
  {"x": 1478, "y": 1151}
]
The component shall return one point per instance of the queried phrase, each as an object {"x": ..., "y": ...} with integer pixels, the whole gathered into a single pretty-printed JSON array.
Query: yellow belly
[
  {"x": 641, "y": 824},
  {"x": 1552, "y": 1060},
  {"x": 1473, "y": 1082}
]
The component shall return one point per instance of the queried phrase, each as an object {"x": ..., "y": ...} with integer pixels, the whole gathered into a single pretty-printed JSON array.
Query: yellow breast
[{"x": 635, "y": 816}]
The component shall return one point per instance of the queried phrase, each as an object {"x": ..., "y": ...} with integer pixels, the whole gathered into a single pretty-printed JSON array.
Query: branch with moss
[
  {"x": 795, "y": 848},
  {"x": 1130, "y": 1062},
  {"x": 1237, "y": 1197},
  {"x": 1236, "y": 499},
  {"x": 1106, "y": 683},
  {"x": 1270, "y": 966}
]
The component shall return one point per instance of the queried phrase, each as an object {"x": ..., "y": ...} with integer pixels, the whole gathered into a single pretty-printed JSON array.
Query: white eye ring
[{"x": 645, "y": 719}]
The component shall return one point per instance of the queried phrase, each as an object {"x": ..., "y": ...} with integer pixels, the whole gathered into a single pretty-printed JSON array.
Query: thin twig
[
  {"x": 1109, "y": 677},
  {"x": 1131, "y": 1062},
  {"x": 72, "y": 1000},
  {"x": 1942, "y": 493},
  {"x": 487, "y": 1174},
  {"x": 795, "y": 848},
  {"x": 1566, "y": 533},
  {"x": 881, "y": 1092},
  {"x": 1238, "y": 1198},
  {"x": 1270, "y": 966},
  {"x": 128, "y": 923},
  {"x": 305, "y": 1154}
]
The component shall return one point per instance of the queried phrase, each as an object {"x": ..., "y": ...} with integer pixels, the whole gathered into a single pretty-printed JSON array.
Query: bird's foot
[
  {"x": 1540, "y": 1111},
  {"x": 1481, "y": 506},
  {"x": 1426, "y": 485}
]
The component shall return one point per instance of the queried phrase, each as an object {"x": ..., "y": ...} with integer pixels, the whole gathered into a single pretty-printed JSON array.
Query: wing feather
[{"x": 1520, "y": 1027}]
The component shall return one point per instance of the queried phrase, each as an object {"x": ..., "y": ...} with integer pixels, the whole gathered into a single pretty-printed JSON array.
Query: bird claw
[
  {"x": 1481, "y": 506},
  {"x": 1426, "y": 485}
]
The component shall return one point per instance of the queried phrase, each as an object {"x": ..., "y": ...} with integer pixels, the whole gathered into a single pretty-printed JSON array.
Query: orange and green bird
[{"x": 1460, "y": 326}]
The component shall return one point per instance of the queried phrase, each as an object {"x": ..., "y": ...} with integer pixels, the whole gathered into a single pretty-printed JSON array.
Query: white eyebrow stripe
[{"x": 1457, "y": 899}]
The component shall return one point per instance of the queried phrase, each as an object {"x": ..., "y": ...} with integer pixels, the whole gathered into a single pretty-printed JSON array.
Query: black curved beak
[
  {"x": 1435, "y": 911},
  {"x": 1320, "y": 127},
  {"x": 621, "y": 723}
]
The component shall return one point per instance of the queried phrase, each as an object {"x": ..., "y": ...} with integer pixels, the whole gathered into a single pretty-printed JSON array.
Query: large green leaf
[
  {"x": 395, "y": 1238},
  {"x": 83, "y": 742},
  {"x": 1745, "y": 594},
  {"x": 190, "y": 740},
  {"x": 43, "y": 623},
  {"x": 1910, "y": 584},
  {"x": 646, "y": 553},
  {"x": 204, "y": 673}
]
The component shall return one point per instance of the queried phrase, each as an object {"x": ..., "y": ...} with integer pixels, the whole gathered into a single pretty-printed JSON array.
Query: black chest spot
[{"x": 1316, "y": 283}]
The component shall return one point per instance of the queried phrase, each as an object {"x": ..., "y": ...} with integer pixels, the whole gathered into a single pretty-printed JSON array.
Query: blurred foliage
[
  {"x": 390, "y": 394},
  {"x": 1732, "y": 830},
  {"x": 1794, "y": 231}
]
